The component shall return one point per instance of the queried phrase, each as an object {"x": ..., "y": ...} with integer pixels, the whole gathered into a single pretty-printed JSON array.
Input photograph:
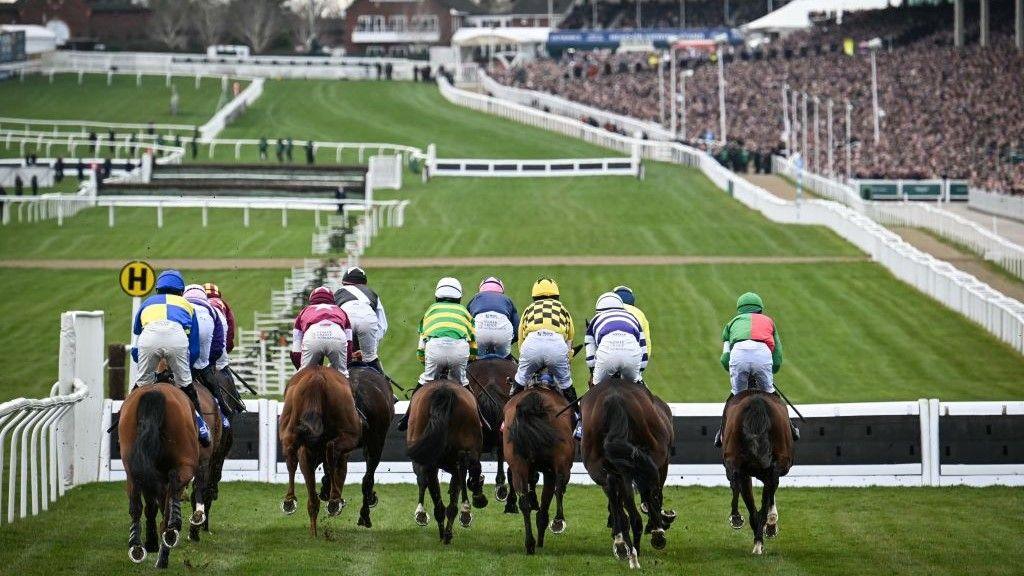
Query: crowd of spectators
[
  {"x": 667, "y": 14},
  {"x": 944, "y": 113}
]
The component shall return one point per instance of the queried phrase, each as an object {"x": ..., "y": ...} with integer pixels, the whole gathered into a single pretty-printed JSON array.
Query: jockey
[
  {"x": 629, "y": 302},
  {"x": 322, "y": 330},
  {"x": 495, "y": 318},
  {"x": 222, "y": 365},
  {"x": 751, "y": 352},
  {"x": 545, "y": 334},
  {"x": 168, "y": 330},
  {"x": 366, "y": 313},
  {"x": 447, "y": 338},
  {"x": 211, "y": 343},
  {"x": 217, "y": 301},
  {"x": 615, "y": 342}
]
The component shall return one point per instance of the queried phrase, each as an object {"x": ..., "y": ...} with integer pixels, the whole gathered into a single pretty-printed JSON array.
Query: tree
[
  {"x": 209, "y": 20},
  {"x": 169, "y": 22},
  {"x": 307, "y": 20},
  {"x": 257, "y": 22}
]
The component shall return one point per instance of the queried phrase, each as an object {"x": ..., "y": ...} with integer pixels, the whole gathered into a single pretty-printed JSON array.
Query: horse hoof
[
  {"x": 619, "y": 548},
  {"x": 137, "y": 554},
  {"x": 758, "y": 549},
  {"x": 170, "y": 538},
  {"x": 288, "y": 507},
  {"x": 334, "y": 507},
  {"x": 558, "y": 526},
  {"x": 364, "y": 521},
  {"x": 736, "y": 522},
  {"x": 198, "y": 518},
  {"x": 658, "y": 539},
  {"x": 667, "y": 518},
  {"x": 643, "y": 507},
  {"x": 372, "y": 503},
  {"x": 479, "y": 500},
  {"x": 501, "y": 492},
  {"x": 466, "y": 519},
  {"x": 634, "y": 562},
  {"x": 447, "y": 538},
  {"x": 771, "y": 530},
  {"x": 193, "y": 533},
  {"x": 422, "y": 518}
]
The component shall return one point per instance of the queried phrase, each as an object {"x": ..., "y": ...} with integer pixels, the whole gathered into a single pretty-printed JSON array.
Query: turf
[
  {"x": 135, "y": 235},
  {"x": 396, "y": 112},
  {"x": 34, "y": 299},
  {"x": 122, "y": 101},
  {"x": 900, "y": 531}
]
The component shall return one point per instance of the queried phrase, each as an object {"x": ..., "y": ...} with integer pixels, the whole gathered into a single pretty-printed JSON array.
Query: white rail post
[
  {"x": 933, "y": 424},
  {"x": 89, "y": 342},
  {"x": 284, "y": 216},
  {"x": 110, "y": 216},
  {"x": 159, "y": 215},
  {"x": 205, "y": 215},
  {"x": 65, "y": 386},
  {"x": 245, "y": 216}
]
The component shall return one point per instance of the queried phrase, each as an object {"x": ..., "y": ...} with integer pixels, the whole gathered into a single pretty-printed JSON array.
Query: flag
[{"x": 848, "y": 46}]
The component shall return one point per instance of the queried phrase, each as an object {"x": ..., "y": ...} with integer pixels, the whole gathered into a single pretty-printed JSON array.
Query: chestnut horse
[
  {"x": 627, "y": 441},
  {"x": 319, "y": 425},
  {"x": 538, "y": 440},
  {"x": 757, "y": 443},
  {"x": 161, "y": 454},
  {"x": 489, "y": 382},
  {"x": 445, "y": 434}
]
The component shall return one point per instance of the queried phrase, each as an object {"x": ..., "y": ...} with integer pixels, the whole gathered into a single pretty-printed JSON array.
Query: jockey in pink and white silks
[{"x": 322, "y": 330}]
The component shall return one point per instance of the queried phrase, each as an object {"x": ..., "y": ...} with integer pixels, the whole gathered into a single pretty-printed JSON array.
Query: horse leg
[
  {"x": 163, "y": 557},
  {"x": 735, "y": 520},
  {"x": 136, "y": 552},
  {"x": 308, "y": 467},
  {"x": 465, "y": 512},
  {"x": 456, "y": 485},
  {"x": 636, "y": 523},
  {"x": 288, "y": 505},
  {"x": 475, "y": 480},
  {"x": 558, "y": 525},
  {"x": 771, "y": 526},
  {"x": 434, "y": 485},
  {"x": 522, "y": 487},
  {"x": 199, "y": 487},
  {"x": 420, "y": 515},
  {"x": 510, "y": 499},
  {"x": 172, "y": 518},
  {"x": 152, "y": 542},
  {"x": 545, "y": 506},
  {"x": 747, "y": 491},
  {"x": 500, "y": 487},
  {"x": 372, "y": 454},
  {"x": 336, "y": 504},
  {"x": 616, "y": 518}
]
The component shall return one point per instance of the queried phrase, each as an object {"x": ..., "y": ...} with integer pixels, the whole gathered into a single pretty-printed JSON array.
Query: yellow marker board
[{"x": 137, "y": 278}]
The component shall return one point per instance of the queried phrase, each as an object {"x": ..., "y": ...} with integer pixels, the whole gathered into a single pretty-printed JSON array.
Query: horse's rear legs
[
  {"x": 136, "y": 552},
  {"x": 369, "y": 495},
  {"x": 545, "y": 506},
  {"x": 735, "y": 520},
  {"x": 558, "y": 524},
  {"x": 756, "y": 522},
  {"x": 768, "y": 509},
  {"x": 291, "y": 459},
  {"x": 308, "y": 466}
]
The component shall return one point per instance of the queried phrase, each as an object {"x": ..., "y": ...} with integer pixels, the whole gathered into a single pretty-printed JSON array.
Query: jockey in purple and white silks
[{"x": 616, "y": 343}]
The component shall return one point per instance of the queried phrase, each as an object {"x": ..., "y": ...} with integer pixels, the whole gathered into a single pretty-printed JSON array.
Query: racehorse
[
  {"x": 445, "y": 434},
  {"x": 627, "y": 441},
  {"x": 205, "y": 488},
  {"x": 161, "y": 454},
  {"x": 537, "y": 441},
  {"x": 489, "y": 382},
  {"x": 757, "y": 443},
  {"x": 374, "y": 400},
  {"x": 319, "y": 424}
]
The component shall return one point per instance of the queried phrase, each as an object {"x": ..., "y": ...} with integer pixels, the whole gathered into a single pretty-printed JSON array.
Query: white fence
[
  {"x": 385, "y": 172},
  {"x": 54, "y": 443},
  {"x": 232, "y": 110},
  {"x": 924, "y": 468},
  {"x": 998, "y": 204},
  {"x": 568, "y": 167},
  {"x": 997, "y": 313},
  {"x": 33, "y": 126},
  {"x": 166, "y": 154},
  {"x": 948, "y": 225}
]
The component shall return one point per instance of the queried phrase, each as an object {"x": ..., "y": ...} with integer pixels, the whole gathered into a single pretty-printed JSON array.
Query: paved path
[{"x": 466, "y": 261}]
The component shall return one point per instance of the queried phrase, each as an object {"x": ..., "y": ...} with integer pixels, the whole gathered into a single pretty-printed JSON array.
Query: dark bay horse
[
  {"x": 445, "y": 434},
  {"x": 488, "y": 381},
  {"x": 627, "y": 440},
  {"x": 757, "y": 443},
  {"x": 374, "y": 400},
  {"x": 161, "y": 454},
  {"x": 319, "y": 425},
  {"x": 205, "y": 487},
  {"x": 539, "y": 441}
]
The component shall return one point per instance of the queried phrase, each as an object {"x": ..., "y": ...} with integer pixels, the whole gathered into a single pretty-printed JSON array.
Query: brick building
[{"x": 119, "y": 23}]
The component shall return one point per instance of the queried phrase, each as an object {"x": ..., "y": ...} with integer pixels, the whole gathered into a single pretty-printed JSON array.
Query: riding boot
[
  {"x": 792, "y": 427},
  {"x": 204, "y": 430},
  {"x": 570, "y": 396},
  {"x": 212, "y": 383},
  {"x": 718, "y": 435},
  {"x": 403, "y": 424}
]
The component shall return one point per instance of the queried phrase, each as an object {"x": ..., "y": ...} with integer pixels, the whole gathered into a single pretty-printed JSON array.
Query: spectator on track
[
  {"x": 280, "y": 150},
  {"x": 263, "y": 147},
  {"x": 58, "y": 169},
  {"x": 310, "y": 152},
  {"x": 288, "y": 149},
  {"x": 34, "y": 184},
  {"x": 19, "y": 186}
]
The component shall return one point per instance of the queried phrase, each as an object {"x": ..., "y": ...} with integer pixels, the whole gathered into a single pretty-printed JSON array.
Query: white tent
[
  {"x": 38, "y": 39},
  {"x": 796, "y": 14},
  {"x": 517, "y": 36}
]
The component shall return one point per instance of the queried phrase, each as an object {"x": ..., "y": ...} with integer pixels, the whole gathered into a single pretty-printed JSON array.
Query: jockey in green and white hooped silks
[{"x": 751, "y": 351}]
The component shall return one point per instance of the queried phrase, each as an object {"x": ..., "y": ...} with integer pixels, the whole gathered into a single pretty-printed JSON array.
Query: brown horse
[
  {"x": 319, "y": 425},
  {"x": 627, "y": 440},
  {"x": 373, "y": 398},
  {"x": 538, "y": 441},
  {"x": 445, "y": 434},
  {"x": 757, "y": 443},
  {"x": 161, "y": 455},
  {"x": 205, "y": 487},
  {"x": 489, "y": 382}
]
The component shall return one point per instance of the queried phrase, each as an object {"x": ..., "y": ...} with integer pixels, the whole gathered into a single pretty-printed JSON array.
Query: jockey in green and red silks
[{"x": 751, "y": 350}]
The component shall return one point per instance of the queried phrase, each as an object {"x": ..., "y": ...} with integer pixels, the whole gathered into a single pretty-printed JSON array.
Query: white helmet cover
[
  {"x": 609, "y": 301},
  {"x": 448, "y": 287}
]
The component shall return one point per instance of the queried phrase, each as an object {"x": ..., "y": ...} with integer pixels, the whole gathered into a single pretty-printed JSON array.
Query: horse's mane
[{"x": 756, "y": 425}]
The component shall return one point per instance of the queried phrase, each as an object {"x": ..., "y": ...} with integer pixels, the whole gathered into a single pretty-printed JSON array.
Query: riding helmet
[
  {"x": 492, "y": 284},
  {"x": 195, "y": 291},
  {"x": 609, "y": 301},
  {"x": 321, "y": 295},
  {"x": 448, "y": 287},
  {"x": 354, "y": 275},
  {"x": 626, "y": 293},
  {"x": 749, "y": 302},
  {"x": 544, "y": 288},
  {"x": 212, "y": 290},
  {"x": 170, "y": 281}
]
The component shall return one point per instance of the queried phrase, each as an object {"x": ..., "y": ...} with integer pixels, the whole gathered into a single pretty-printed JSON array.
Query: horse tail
[
  {"x": 311, "y": 423},
  {"x": 432, "y": 445},
  {"x": 150, "y": 414},
  {"x": 624, "y": 456},
  {"x": 756, "y": 425},
  {"x": 531, "y": 432}
]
